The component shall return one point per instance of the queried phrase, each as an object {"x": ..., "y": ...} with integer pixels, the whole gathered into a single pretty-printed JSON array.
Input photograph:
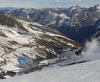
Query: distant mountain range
[
  {"x": 75, "y": 22},
  {"x": 97, "y": 34}
]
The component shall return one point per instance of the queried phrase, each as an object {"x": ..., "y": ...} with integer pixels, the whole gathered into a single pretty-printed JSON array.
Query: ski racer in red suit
[{"x": 79, "y": 53}]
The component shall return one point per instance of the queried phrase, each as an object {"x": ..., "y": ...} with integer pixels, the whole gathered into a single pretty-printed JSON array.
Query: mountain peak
[
  {"x": 98, "y": 7},
  {"x": 98, "y": 4},
  {"x": 95, "y": 8},
  {"x": 75, "y": 6}
]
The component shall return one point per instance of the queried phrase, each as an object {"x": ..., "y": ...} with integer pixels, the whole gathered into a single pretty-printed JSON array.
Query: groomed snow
[{"x": 83, "y": 72}]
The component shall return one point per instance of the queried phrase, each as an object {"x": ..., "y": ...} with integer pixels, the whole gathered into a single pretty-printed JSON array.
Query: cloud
[
  {"x": 68, "y": 3},
  {"x": 38, "y": 4},
  {"x": 60, "y": 3},
  {"x": 47, "y": 3},
  {"x": 18, "y": 4},
  {"x": 84, "y": 0},
  {"x": 23, "y": 4},
  {"x": 56, "y": 0},
  {"x": 3, "y": 0}
]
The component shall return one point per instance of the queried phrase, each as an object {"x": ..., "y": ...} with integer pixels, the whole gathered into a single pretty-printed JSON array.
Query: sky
[{"x": 47, "y": 3}]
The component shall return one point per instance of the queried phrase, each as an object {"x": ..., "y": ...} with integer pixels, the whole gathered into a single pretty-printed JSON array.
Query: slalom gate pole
[{"x": 19, "y": 65}]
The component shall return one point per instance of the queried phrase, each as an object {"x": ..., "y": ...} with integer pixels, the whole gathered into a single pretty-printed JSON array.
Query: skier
[{"x": 78, "y": 53}]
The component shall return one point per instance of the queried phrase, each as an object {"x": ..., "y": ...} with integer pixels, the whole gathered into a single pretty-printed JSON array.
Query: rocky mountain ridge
[{"x": 75, "y": 22}]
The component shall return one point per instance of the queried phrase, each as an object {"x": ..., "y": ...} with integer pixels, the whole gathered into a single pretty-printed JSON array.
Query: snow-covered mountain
[
  {"x": 35, "y": 41},
  {"x": 97, "y": 34},
  {"x": 75, "y": 22}
]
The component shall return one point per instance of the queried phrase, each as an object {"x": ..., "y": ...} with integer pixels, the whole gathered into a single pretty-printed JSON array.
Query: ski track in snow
[{"x": 85, "y": 72}]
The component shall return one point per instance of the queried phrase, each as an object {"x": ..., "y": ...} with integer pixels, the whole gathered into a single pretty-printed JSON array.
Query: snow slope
[{"x": 83, "y": 72}]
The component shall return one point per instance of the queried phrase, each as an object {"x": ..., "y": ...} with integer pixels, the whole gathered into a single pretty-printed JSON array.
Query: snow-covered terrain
[
  {"x": 35, "y": 41},
  {"x": 86, "y": 72},
  {"x": 74, "y": 22},
  {"x": 79, "y": 72}
]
